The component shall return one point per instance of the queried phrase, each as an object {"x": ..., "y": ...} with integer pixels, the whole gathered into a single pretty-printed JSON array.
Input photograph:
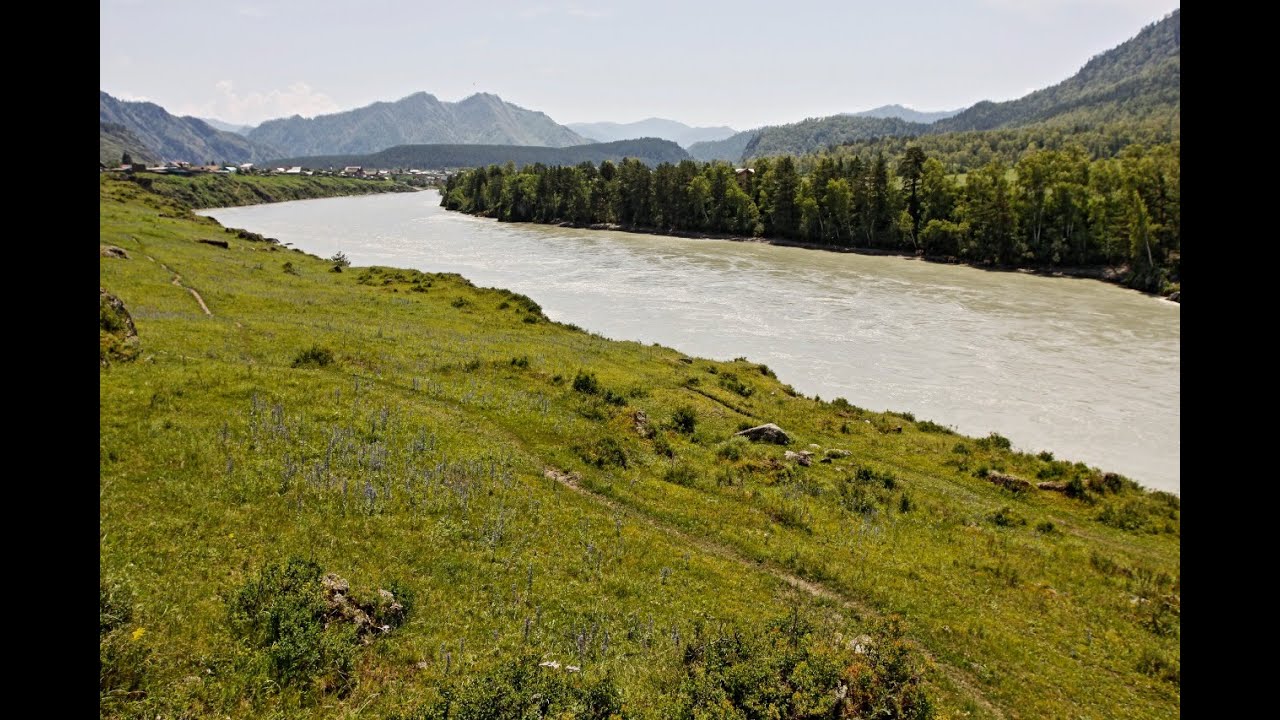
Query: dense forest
[
  {"x": 1052, "y": 208},
  {"x": 650, "y": 151}
]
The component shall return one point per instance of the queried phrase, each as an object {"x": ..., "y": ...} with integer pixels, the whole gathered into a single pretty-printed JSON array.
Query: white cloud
[{"x": 254, "y": 107}]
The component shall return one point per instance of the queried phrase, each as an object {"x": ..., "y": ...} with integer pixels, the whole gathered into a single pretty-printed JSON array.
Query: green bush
[
  {"x": 603, "y": 453},
  {"x": 730, "y": 381},
  {"x": 732, "y": 448},
  {"x": 314, "y": 356},
  {"x": 585, "y": 382},
  {"x": 521, "y": 689},
  {"x": 681, "y": 474},
  {"x": 1006, "y": 517},
  {"x": 684, "y": 419},
  {"x": 790, "y": 668}
]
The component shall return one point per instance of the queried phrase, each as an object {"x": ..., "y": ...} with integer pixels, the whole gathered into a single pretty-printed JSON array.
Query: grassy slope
[
  {"x": 211, "y": 449},
  {"x": 209, "y": 191}
]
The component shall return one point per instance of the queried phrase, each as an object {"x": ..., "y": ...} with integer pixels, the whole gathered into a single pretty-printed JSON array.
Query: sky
[{"x": 743, "y": 64}]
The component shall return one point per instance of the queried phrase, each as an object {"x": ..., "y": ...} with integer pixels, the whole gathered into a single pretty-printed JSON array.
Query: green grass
[
  {"x": 416, "y": 457},
  {"x": 213, "y": 190}
]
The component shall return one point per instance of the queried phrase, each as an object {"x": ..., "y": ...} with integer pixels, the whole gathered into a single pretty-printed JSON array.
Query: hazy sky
[{"x": 740, "y": 63}]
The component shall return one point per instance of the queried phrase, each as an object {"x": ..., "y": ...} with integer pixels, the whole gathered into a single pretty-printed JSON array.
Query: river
[{"x": 1084, "y": 369}]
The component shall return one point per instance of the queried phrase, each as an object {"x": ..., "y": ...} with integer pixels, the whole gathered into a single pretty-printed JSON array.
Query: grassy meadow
[{"x": 567, "y": 523}]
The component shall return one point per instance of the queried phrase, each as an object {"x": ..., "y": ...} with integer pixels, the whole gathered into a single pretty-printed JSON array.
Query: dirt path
[
  {"x": 959, "y": 677},
  {"x": 177, "y": 280}
]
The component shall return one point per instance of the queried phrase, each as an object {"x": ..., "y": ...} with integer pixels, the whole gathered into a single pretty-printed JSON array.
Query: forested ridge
[{"x": 1052, "y": 208}]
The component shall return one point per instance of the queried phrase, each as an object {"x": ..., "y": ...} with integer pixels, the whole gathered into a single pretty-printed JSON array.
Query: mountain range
[
  {"x": 481, "y": 119},
  {"x": 677, "y": 132},
  {"x": 1137, "y": 82},
  {"x": 167, "y": 137}
]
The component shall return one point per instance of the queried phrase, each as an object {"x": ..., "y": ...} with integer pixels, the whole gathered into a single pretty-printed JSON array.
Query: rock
[
  {"x": 334, "y": 584},
  {"x": 861, "y": 644},
  {"x": 1176, "y": 296},
  {"x": 216, "y": 243},
  {"x": 1053, "y": 485},
  {"x": 550, "y": 664},
  {"x": 804, "y": 457},
  {"x": 118, "y": 337},
  {"x": 111, "y": 251},
  {"x": 642, "y": 423},
  {"x": 837, "y": 453},
  {"x": 1010, "y": 482},
  {"x": 422, "y": 665},
  {"x": 766, "y": 433}
]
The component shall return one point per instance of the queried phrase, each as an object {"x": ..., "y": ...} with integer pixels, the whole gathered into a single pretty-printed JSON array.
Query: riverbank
[
  {"x": 212, "y": 191},
  {"x": 545, "y": 493},
  {"x": 1108, "y": 274}
]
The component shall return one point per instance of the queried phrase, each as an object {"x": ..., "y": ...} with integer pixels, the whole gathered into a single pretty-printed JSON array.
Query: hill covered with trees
[{"x": 650, "y": 151}]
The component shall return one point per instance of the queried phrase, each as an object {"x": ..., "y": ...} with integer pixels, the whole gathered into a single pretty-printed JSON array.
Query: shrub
[
  {"x": 586, "y": 383},
  {"x": 314, "y": 356},
  {"x": 460, "y": 302},
  {"x": 791, "y": 668},
  {"x": 933, "y": 427},
  {"x": 730, "y": 381},
  {"x": 684, "y": 419},
  {"x": 521, "y": 688},
  {"x": 865, "y": 474},
  {"x": 905, "y": 505},
  {"x": 520, "y": 362},
  {"x": 732, "y": 448},
  {"x": 681, "y": 474},
  {"x": 289, "y": 268},
  {"x": 1006, "y": 517},
  {"x": 994, "y": 441},
  {"x": 605, "y": 452},
  {"x": 662, "y": 446},
  {"x": 1045, "y": 527}
]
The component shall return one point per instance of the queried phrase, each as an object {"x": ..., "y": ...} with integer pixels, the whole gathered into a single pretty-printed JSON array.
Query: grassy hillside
[
  {"x": 529, "y": 493},
  {"x": 210, "y": 191}
]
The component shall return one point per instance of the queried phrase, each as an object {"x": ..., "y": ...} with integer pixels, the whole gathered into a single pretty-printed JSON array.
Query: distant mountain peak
[
  {"x": 903, "y": 112},
  {"x": 481, "y": 118},
  {"x": 655, "y": 127}
]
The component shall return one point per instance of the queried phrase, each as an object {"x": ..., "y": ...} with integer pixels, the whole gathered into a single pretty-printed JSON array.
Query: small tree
[{"x": 126, "y": 159}]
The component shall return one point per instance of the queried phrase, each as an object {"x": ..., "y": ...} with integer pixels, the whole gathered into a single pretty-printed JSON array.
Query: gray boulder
[{"x": 766, "y": 433}]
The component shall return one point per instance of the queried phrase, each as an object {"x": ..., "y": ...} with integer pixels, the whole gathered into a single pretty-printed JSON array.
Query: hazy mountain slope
[
  {"x": 677, "y": 132},
  {"x": 1135, "y": 81},
  {"x": 114, "y": 140},
  {"x": 417, "y": 119},
  {"x": 905, "y": 113},
  {"x": 816, "y": 134},
  {"x": 729, "y": 149},
  {"x": 650, "y": 151},
  {"x": 179, "y": 138},
  {"x": 228, "y": 127}
]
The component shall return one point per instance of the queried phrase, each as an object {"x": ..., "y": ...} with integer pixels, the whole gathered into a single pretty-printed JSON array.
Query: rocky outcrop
[
  {"x": 1009, "y": 482},
  {"x": 369, "y": 619},
  {"x": 804, "y": 457},
  {"x": 117, "y": 336},
  {"x": 766, "y": 433},
  {"x": 111, "y": 251}
]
